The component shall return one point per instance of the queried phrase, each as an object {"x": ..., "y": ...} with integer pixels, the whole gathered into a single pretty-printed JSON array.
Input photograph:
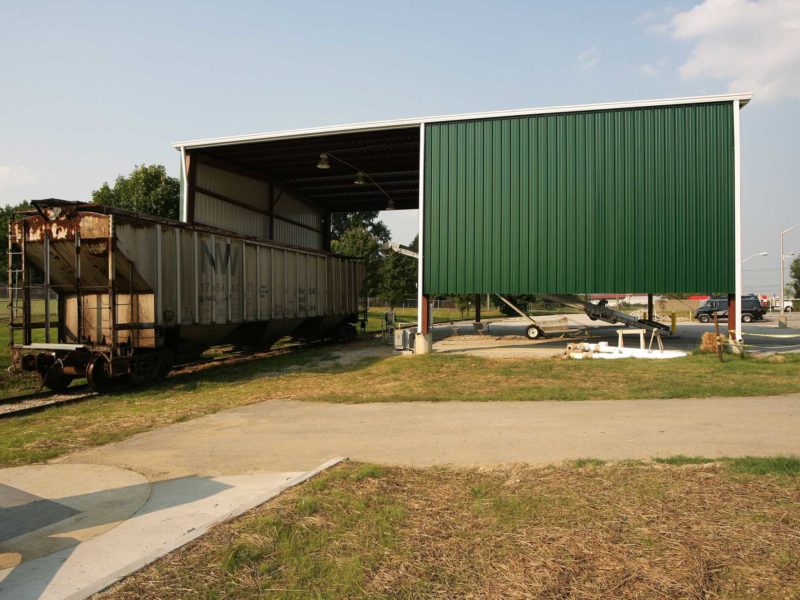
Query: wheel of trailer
[
  {"x": 534, "y": 332},
  {"x": 56, "y": 380},
  {"x": 97, "y": 373},
  {"x": 747, "y": 317},
  {"x": 704, "y": 318}
]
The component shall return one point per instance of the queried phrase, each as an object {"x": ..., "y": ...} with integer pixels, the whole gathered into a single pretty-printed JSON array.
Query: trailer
[{"x": 123, "y": 295}]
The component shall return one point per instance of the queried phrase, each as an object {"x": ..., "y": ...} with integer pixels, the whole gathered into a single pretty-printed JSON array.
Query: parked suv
[{"x": 751, "y": 309}]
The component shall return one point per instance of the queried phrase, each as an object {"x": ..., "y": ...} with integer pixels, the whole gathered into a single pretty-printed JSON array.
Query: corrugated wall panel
[
  {"x": 298, "y": 212},
  {"x": 634, "y": 200},
  {"x": 217, "y": 213},
  {"x": 298, "y": 228},
  {"x": 294, "y": 235},
  {"x": 246, "y": 190}
]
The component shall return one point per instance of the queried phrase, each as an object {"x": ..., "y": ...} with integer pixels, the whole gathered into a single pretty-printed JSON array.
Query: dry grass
[{"x": 614, "y": 531}]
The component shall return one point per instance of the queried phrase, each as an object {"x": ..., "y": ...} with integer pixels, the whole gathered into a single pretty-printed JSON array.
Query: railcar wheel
[
  {"x": 164, "y": 365},
  {"x": 534, "y": 332},
  {"x": 346, "y": 333},
  {"x": 97, "y": 374},
  {"x": 55, "y": 380}
]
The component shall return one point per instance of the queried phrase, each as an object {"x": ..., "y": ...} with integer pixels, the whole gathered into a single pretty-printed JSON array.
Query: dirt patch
[{"x": 355, "y": 354}]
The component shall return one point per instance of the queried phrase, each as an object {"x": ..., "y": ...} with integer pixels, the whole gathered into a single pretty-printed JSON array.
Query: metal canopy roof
[
  {"x": 387, "y": 151},
  {"x": 389, "y": 157}
]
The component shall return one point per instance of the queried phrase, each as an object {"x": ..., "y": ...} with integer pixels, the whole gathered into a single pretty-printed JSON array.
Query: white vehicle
[{"x": 788, "y": 304}]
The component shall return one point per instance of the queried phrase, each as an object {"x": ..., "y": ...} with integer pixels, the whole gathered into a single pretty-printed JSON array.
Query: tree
[
  {"x": 794, "y": 273},
  {"x": 357, "y": 242},
  {"x": 368, "y": 219},
  {"x": 148, "y": 190},
  {"x": 398, "y": 279},
  {"x": 463, "y": 302}
]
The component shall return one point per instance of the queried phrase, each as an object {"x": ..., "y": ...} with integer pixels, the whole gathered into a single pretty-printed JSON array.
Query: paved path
[
  {"x": 505, "y": 338},
  {"x": 295, "y": 436},
  {"x": 70, "y": 530}
]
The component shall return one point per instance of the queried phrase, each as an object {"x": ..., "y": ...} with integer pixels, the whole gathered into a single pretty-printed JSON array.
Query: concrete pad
[
  {"x": 295, "y": 435},
  {"x": 506, "y": 337},
  {"x": 174, "y": 512},
  {"x": 48, "y": 508}
]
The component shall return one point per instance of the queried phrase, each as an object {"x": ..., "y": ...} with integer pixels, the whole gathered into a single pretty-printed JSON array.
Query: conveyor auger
[{"x": 601, "y": 311}]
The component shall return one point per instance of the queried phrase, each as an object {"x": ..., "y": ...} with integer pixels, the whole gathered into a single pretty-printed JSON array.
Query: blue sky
[{"x": 91, "y": 88}]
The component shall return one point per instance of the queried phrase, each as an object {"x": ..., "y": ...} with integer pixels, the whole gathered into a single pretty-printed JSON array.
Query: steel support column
[{"x": 425, "y": 316}]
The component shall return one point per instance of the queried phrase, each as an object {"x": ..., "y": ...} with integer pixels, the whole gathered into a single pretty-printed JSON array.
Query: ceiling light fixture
[{"x": 361, "y": 178}]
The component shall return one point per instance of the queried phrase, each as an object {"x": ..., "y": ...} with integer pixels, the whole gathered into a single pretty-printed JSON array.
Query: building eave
[{"x": 743, "y": 99}]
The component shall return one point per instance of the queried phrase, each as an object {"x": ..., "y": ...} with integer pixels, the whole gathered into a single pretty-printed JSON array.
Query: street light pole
[
  {"x": 783, "y": 233},
  {"x": 754, "y": 255}
]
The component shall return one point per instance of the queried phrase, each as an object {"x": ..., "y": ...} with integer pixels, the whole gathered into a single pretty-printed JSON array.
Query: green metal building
[{"x": 629, "y": 197}]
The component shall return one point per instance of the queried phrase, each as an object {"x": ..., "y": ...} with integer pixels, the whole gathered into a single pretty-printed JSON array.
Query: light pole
[
  {"x": 754, "y": 255},
  {"x": 783, "y": 233}
]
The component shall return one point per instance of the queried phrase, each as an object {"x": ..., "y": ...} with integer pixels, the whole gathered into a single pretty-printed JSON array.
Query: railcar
[{"x": 112, "y": 295}]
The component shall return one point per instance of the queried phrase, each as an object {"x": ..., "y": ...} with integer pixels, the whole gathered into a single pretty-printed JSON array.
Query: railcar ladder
[{"x": 18, "y": 300}]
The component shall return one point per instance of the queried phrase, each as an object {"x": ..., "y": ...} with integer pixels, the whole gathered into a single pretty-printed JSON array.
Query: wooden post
[
  {"x": 732, "y": 316},
  {"x": 477, "y": 308},
  {"x": 650, "y": 311}
]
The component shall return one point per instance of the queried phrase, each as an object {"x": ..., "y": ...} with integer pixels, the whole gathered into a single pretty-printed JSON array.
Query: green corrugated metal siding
[{"x": 633, "y": 200}]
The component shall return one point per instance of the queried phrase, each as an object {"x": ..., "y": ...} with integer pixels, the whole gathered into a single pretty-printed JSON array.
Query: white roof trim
[{"x": 416, "y": 122}]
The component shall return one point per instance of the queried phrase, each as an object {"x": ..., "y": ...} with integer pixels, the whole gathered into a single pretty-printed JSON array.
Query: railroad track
[{"x": 26, "y": 404}]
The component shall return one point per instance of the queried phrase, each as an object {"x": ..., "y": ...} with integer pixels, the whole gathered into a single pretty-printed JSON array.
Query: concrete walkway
[
  {"x": 70, "y": 530},
  {"x": 295, "y": 436}
]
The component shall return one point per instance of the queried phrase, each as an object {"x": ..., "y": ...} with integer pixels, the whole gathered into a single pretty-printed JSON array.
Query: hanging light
[
  {"x": 361, "y": 178},
  {"x": 324, "y": 162},
  {"x": 390, "y": 204}
]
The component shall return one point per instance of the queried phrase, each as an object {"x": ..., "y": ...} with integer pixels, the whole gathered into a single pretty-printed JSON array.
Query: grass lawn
[
  {"x": 357, "y": 373},
  {"x": 726, "y": 530}
]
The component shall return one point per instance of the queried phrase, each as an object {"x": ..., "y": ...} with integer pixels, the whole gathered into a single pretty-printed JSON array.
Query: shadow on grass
[{"x": 321, "y": 360}]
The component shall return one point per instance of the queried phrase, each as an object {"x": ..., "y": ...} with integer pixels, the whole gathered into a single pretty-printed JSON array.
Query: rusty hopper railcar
[{"x": 125, "y": 294}]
